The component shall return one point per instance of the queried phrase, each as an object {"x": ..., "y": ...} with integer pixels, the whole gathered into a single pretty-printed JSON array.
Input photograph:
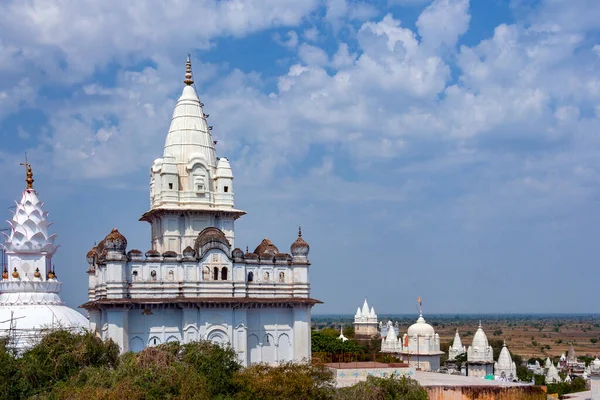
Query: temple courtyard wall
[{"x": 438, "y": 386}]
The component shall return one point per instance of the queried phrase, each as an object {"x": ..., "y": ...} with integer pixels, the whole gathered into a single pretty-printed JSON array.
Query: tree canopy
[{"x": 83, "y": 367}]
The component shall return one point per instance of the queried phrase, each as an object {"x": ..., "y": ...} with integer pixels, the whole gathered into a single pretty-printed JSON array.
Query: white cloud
[
  {"x": 443, "y": 22},
  {"x": 311, "y": 34},
  {"x": 61, "y": 38},
  {"x": 312, "y": 55},
  {"x": 387, "y": 98}
]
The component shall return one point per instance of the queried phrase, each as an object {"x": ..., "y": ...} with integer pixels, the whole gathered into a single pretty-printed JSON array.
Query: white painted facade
[
  {"x": 192, "y": 284},
  {"x": 30, "y": 303}
]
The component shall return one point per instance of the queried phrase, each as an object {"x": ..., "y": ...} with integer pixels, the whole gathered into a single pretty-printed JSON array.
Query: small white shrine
[
  {"x": 365, "y": 322},
  {"x": 420, "y": 346},
  {"x": 30, "y": 304},
  {"x": 457, "y": 348},
  {"x": 505, "y": 368},
  {"x": 552, "y": 375},
  {"x": 480, "y": 356}
]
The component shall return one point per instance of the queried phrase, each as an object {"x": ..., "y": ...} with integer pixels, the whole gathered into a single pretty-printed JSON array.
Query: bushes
[
  {"x": 383, "y": 389},
  {"x": 286, "y": 381},
  {"x": 83, "y": 367}
]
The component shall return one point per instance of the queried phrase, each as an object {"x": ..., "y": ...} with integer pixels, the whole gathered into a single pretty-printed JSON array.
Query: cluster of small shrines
[
  {"x": 192, "y": 284},
  {"x": 420, "y": 348}
]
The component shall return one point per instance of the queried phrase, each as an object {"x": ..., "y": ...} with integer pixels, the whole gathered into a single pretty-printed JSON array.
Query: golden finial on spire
[
  {"x": 29, "y": 173},
  {"x": 188, "y": 72}
]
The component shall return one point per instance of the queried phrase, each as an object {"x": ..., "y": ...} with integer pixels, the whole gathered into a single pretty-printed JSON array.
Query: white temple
[
  {"x": 552, "y": 375},
  {"x": 193, "y": 283},
  {"x": 420, "y": 346},
  {"x": 456, "y": 348},
  {"x": 480, "y": 356},
  {"x": 29, "y": 295},
  {"x": 505, "y": 368},
  {"x": 390, "y": 342},
  {"x": 365, "y": 321}
]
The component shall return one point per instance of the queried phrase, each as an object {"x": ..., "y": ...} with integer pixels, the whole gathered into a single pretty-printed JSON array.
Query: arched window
[
  {"x": 153, "y": 274},
  {"x": 215, "y": 274},
  {"x": 281, "y": 277},
  {"x": 250, "y": 276},
  {"x": 266, "y": 277},
  {"x": 171, "y": 276},
  {"x": 135, "y": 275},
  {"x": 224, "y": 274}
]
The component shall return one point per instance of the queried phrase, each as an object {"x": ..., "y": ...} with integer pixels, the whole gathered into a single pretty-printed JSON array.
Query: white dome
[
  {"x": 596, "y": 362},
  {"x": 421, "y": 328},
  {"x": 32, "y": 319}
]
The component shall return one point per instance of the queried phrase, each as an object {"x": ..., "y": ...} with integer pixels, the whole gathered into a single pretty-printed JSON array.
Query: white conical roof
[
  {"x": 372, "y": 313},
  {"x": 548, "y": 363},
  {"x": 504, "y": 359},
  {"x": 391, "y": 334},
  {"x": 457, "y": 344},
  {"x": 552, "y": 374},
  {"x": 189, "y": 133},
  {"x": 365, "y": 308},
  {"x": 29, "y": 299},
  {"x": 358, "y": 313},
  {"x": 29, "y": 227},
  {"x": 480, "y": 339}
]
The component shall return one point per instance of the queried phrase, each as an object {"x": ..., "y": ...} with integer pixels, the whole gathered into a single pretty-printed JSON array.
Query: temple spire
[
  {"x": 29, "y": 173},
  {"x": 188, "y": 72}
]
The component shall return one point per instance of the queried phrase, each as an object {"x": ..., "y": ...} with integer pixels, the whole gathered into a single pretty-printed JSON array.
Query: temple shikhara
[
  {"x": 30, "y": 303},
  {"x": 194, "y": 283}
]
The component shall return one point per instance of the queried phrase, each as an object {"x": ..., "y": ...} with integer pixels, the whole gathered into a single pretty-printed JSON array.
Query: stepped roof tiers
[
  {"x": 30, "y": 303},
  {"x": 365, "y": 322},
  {"x": 480, "y": 356},
  {"x": 194, "y": 283}
]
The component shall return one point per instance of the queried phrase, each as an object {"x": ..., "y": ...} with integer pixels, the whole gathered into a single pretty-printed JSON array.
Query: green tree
[
  {"x": 59, "y": 356},
  {"x": 286, "y": 381}
]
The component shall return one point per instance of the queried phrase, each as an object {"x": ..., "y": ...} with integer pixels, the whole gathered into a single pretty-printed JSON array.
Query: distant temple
[
  {"x": 457, "y": 347},
  {"x": 365, "y": 322},
  {"x": 505, "y": 368},
  {"x": 420, "y": 346},
  {"x": 480, "y": 356}
]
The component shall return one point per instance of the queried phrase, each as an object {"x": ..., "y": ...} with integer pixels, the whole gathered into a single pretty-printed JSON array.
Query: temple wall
[{"x": 485, "y": 393}]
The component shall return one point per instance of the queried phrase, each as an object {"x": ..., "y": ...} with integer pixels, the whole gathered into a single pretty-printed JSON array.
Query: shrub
[{"x": 383, "y": 389}]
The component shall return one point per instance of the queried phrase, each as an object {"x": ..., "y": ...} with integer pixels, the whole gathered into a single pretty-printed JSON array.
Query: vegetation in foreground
[{"x": 71, "y": 366}]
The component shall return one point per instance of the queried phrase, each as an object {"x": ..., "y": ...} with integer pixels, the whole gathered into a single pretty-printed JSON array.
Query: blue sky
[{"x": 445, "y": 149}]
